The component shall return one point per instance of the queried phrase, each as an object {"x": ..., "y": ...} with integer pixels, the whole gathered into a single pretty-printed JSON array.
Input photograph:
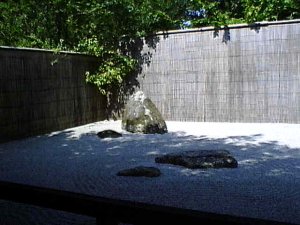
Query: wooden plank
[{"x": 111, "y": 211}]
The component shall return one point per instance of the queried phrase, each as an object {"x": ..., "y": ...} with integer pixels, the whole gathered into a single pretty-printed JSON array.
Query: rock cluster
[
  {"x": 142, "y": 116},
  {"x": 202, "y": 159}
]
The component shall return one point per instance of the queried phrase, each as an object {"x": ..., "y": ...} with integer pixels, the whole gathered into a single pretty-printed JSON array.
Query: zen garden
[{"x": 149, "y": 112}]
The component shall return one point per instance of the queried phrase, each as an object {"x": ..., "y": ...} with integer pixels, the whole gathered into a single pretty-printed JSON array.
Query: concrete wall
[
  {"x": 241, "y": 74},
  {"x": 41, "y": 92}
]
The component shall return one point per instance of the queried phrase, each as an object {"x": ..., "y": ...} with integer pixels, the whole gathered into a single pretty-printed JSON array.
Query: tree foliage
[
  {"x": 109, "y": 29},
  {"x": 106, "y": 29},
  {"x": 224, "y": 12}
]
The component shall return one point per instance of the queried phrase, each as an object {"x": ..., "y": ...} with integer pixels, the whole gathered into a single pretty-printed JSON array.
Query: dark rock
[
  {"x": 140, "y": 171},
  {"x": 201, "y": 159},
  {"x": 108, "y": 134},
  {"x": 142, "y": 116}
]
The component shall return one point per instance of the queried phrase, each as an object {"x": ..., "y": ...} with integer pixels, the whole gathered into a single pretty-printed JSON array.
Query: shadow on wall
[
  {"x": 136, "y": 49},
  {"x": 118, "y": 96},
  {"x": 226, "y": 34}
]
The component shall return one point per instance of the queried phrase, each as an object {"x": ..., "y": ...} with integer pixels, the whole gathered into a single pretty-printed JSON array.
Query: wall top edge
[
  {"x": 232, "y": 26},
  {"x": 42, "y": 50}
]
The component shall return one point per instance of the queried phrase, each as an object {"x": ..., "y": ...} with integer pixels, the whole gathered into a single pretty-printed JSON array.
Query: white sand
[{"x": 265, "y": 185}]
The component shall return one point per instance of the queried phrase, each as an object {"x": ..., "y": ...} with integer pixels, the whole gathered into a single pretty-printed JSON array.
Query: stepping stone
[
  {"x": 140, "y": 171},
  {"x": 202, "y": 159},
  {"x": 109, "y": 134}
]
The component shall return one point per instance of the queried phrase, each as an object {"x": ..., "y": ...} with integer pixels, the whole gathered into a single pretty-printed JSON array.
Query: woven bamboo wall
[
  {"x": 41, "y": 92},
  {"x": 239, "y": 75}
]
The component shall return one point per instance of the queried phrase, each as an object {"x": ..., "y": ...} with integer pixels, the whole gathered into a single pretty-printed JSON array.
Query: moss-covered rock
[{"x": 142, "y": 116}]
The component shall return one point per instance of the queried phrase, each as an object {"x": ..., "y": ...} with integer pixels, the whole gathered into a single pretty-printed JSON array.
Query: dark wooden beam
[{"x": 112, "y": 211}]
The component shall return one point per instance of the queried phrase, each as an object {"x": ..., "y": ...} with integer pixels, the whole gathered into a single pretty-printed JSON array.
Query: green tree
[
  {"x": 224, "y": 12},
  {"x": 105, "y": 29},
  {"x": 113, "y": 30},
  {"x": 259, "y": 10}
]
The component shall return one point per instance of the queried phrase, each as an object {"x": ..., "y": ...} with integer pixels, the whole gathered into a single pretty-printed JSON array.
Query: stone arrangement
[
  {"x": 201, "y": 159},
  {"x": 142, "y": 116}
]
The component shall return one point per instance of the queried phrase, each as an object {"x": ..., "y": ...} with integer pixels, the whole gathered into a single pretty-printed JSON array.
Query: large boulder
[
  {"x": 202, "y": 159},
  {"x": 142, "y": 116}
]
